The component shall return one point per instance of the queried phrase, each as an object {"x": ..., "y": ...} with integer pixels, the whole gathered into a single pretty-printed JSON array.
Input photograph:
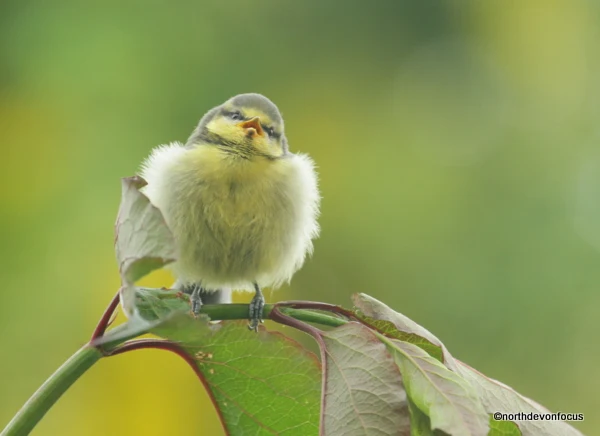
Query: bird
[{"x": 241, "y": 206}]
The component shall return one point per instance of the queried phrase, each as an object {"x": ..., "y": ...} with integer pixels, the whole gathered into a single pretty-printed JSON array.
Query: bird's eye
[
  {"x": 235, "y": 115},
  {"x": 269, "y": 131}
]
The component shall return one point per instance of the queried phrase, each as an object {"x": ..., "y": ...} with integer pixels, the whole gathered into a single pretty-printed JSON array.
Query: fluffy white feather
[{"x": 236, "y": 221}]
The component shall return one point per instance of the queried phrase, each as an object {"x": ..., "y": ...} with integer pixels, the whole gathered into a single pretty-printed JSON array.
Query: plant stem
[
  {"x": 312, "y": 316},
  {"x": 52, "y": 389},
  {"x": 106, "y": 317}
]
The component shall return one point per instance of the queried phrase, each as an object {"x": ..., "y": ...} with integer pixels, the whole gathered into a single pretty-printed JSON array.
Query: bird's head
[{"x": 246, "y": 125}]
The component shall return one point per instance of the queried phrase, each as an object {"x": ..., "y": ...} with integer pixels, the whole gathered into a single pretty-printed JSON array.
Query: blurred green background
[{"x": 459, "y": 159}]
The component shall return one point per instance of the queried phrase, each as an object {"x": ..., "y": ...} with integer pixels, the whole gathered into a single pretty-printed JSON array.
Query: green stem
[
  {"x": 37, "y": 406},
  {"x": 218, "y": 312},
  {"x": 312, "y": 316}
]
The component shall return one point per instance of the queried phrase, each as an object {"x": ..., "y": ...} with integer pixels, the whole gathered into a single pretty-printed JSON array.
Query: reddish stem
[
  {"x": 106, "y": 316},
  {"x": 327, "y": 308},
  {"x": 279, "y": 317},
  {"x": 163, "y": 344}
]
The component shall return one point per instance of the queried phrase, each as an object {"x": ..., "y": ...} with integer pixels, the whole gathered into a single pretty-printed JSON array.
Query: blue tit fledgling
[{"x": 242, "y": 208}]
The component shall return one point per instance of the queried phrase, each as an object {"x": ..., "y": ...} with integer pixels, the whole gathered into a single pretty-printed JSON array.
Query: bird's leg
[
  {"x": 256, "y": 309},
  {"x": 196, "y": 301}
]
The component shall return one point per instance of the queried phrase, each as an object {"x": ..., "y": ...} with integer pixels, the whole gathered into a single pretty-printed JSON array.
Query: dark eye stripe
[
  {"x": 270, "y": 131},
  {"x": 232, "y": 114}
]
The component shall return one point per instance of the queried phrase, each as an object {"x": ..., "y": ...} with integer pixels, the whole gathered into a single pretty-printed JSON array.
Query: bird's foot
[
  {"x": 196, "y": 301},
  {"x": 256, "y": 310}
]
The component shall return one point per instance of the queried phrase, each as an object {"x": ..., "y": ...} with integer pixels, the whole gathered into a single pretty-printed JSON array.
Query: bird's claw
[
  {"x": 256, "y": 312},
  {"x": 196, "y": 302}
]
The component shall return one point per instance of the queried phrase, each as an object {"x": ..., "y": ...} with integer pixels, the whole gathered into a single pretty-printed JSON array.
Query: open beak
[{"x": 252, "y": 127}]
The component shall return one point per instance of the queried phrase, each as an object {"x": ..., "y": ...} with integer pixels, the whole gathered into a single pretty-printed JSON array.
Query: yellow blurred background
[{"x": 459, "y": 159}]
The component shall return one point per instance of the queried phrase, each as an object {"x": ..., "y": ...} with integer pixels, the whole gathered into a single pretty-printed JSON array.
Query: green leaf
[
  {"x": 143, "y": 241},
  {"x": 389, "y": 329},
  {"x": 503, "y": 428},
  {"x": 420, "y": 424},
  {"x": 451, "y": 403},
  {"x": 363, "y": 387},
  {"x": 260, "y": 383},
  {"x": 155, "y": 304},
  {"x": 152, "y": 308}
]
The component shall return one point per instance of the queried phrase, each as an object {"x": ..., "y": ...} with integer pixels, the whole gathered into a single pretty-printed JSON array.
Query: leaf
[
  {"x": 494, "y": 396},
  {"x": 143, "y": 241},
  {"x": 260, "y": 383},
  {"x": 153, "y": 307},
  {"x": 503, "y": 428},
  {"x": 497, "y": 397},
  {"x": 154, "y": 304},
  {"x": 420, "y": 424},
  {"x": 374, "y": 309},
  {"x": 450, "y": 402},
  {"x": 389, "y": 329},
  {"x": 363, "y": 387}
]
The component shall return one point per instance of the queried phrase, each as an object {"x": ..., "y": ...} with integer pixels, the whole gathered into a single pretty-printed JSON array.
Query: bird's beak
[{"x": 252, "y": 127}]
